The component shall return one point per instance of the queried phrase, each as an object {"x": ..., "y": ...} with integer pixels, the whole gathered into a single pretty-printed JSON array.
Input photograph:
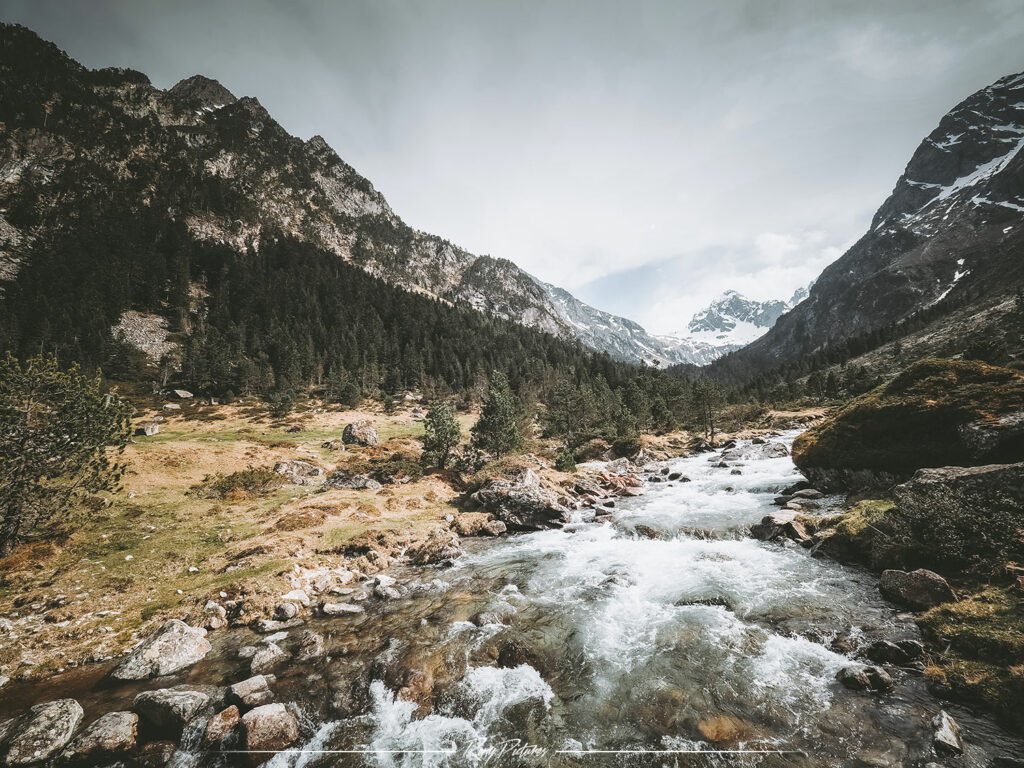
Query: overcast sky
[{"x": 644, "y": 155}]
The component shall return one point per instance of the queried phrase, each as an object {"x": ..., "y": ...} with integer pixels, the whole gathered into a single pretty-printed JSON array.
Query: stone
[
  {"x": 918, "y": 590},
  {"x": 864, "y": 678},
  {"x": 809, "y": 493},
  {"x": 478, "y": 524},
  {"x": 252, "y": 692},
  {"x": 215, "y": 615},
  {"x": 265, "y": 626},
  {"x": 886, "y": 652},
  {"x": 299, "y": 472},
  {"x": 311, "y": 646},
  {"x": 340, "y": 609},
  {"x": 360, "y": 432},
  {"x": 168, "y": 710},
  {"x": 673, "y": 476},
  {"x": 266, "y": 657},
  {"x": 522, "y": 502},
  {"x": 947, "y": 739},
  {"x": 172, "y": 407},
  {"x": 297, "y": 596},
  {"x": 386, "y": 593},
  {"x": 43, "y": 731},
  {"x": 220, "y": 725},
  {"x": 333, "y": 445},
  {"x": 156, "y": 754},
  {"x": 286, "y": 611},
  {"x": 725, "y": 729},
  {"x": 111, "y": 734},
  {"x": 175, "y": 646},
  {"x": 266, "y": 730},
  {"x": 780, "y": 525},
  {"x": 182, "y": 394},
  {"x": 147, "y": 430},
  {"x": 439, "y": 546},
  {"x": 345, "y": 480}
]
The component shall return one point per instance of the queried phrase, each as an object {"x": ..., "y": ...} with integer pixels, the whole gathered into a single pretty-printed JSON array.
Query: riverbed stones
[
  {"x": 266, "y": 730},
  {"x": 267, "y": 656},
  {"x": 175, "y": 646},
  {"x": 947, "y": 739},
  {"x": 339, "y": 609},
  {"x": 864, "y": 678},
  {"x": 252, "y": 692},
  {"x": 888, "y": 652},
  {"x": 780, "y": 525},
  {"x": 215, "y": 616},
  {"x": 167, "y": 710},
  {"x": 220, "y": 725},
  {"x": 112, "y": 734},
  {"x": 360, "y": 432},
  {"x": 42, "y": 732},
  {"x": 918, "y": 590},
  {"x": 311, "y": 646}
]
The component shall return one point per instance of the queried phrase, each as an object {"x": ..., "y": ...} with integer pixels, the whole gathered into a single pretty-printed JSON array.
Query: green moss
[
  {"x": 986, "y": 626},
  {"x": 912, "y": 421}
]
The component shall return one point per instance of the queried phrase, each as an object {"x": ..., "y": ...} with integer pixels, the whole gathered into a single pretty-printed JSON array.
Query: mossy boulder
[{"x": 936, "y": 413}]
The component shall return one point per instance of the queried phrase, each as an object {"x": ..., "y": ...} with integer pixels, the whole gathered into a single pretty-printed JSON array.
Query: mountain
[
  {"x": 229, "y": 173},
  {"x": 951, "y": 232}
]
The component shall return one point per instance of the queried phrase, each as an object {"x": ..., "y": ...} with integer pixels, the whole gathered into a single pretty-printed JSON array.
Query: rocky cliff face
[
  {"x": 952, "y": 229},
  {"x": 227, "y": 170}
]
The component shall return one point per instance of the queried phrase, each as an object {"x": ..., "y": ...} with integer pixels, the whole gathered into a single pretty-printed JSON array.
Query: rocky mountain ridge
[
  {"x": 226, "y": 169},
  {"x": 951, "y": 231}
]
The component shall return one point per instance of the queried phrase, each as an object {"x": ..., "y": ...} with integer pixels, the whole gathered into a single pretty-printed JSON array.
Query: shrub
[{"x": 244, "y": 484}]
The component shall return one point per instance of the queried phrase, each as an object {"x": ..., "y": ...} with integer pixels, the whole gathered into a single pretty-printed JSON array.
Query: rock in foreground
[
  {"x": 919, "y": 590},
  {"x": 267, "y": 730},
  {"x": 360, "y": 432},
  {"x": 112, "y": 734},
  {"x": 43, "y": 731},
  {"x": 175, "y": 646}
]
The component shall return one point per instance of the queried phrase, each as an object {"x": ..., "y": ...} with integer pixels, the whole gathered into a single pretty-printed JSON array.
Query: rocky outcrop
[
  {"x": 919, "y": 590},
  {"x": 931, "y": 415},
  {"x": 175, "y": 646},
  {"x": 523, "y": 502},
  {"x": 112, "y": 734},
  {"x": 266, "y": 730},
  {"x": 478, "y": 524},
  {"x": 299, "y": 472},
  {"x": 42, "y": 732},
  {"x": 347, "y": 480},
  {"x": 360, "y": 432},
  {"x": 437, "y": 547},
  {"x": 946, "y": 739}
]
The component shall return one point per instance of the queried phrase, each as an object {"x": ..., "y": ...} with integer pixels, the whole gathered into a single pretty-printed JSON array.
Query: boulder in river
[
  {"x": 175, "y": 646},
  {"x": 360, "y": 432},
  {"x": 340, "y": 609},
  {"x": 864, "y": 678},
  {"x": 780, "y": 525},
  {"x": 220, "y": 725},
  {"x": 918, "y": 590},
  {"x": 251, "y": 692},
  {"x": 523, "y": 502},
  {"x": 266, "y": 730},
  {"x": 478, "y": 524},
  {"x": 887, "y": 652},
  {"x": 267, "y": 656},
  {"x": 167, "y": 710},
  {"x": 42, "y": 732},
  {"x": 110, "y": 735}
]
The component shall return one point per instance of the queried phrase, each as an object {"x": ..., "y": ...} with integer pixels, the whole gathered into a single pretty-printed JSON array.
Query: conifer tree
[
  {"x": 496, "y": 431},
  {"x": 441, "y": 434}
]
